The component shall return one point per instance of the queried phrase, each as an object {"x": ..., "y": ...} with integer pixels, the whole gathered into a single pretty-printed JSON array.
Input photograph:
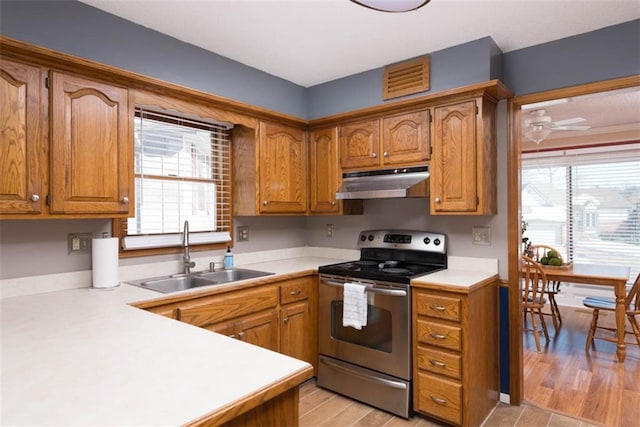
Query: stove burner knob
[
  {"x": 371, "y": 237},
  {"x": 427, "y": 240},
  {"x": 363, "y": 237},
  {"x": 436, "y": 242}
]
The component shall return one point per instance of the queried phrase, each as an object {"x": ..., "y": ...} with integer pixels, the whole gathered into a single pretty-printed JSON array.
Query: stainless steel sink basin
[
  {"x": 173, "y": 284},
  {"x": 181, "y": 282},
  {"x": 226, "y": 276}
]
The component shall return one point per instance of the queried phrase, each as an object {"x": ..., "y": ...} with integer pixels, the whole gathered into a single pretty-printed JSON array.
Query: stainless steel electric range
[{"x": 373, "y": 364}]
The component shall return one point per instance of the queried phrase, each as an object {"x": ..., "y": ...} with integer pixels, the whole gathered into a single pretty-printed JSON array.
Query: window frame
[{"x": 196, "y": 112}]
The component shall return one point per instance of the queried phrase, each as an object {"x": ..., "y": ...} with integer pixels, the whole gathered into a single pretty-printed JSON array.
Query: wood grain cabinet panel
[
  {"x": 91, "y": 146},
  {"x": 463, "y": 164},
  {"x": 405, "y": 138},
  {"x": 23, "y": 143},
  {"x": 283, "y": 169},
  {"x": 325, "y": 171},
  {"x": 360, "y": 144},
  {"x": 455, "y": 362}
]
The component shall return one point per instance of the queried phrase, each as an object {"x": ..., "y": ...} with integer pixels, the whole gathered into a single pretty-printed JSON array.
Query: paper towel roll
[{"x": 104, "y": 261}]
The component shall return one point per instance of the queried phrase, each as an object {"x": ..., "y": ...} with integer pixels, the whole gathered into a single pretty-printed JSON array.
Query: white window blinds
[
  {"x": 585, "y": 202},
  {"x": 182, "y": 172}
]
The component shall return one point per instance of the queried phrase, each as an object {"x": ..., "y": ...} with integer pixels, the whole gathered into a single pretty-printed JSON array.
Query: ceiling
[
  {"x": 309, "y": 42},
  {"x": 314, "y": 41}
]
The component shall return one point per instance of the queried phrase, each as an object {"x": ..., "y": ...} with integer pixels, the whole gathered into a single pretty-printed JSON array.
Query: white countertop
[{"x": 85, "y": 357}]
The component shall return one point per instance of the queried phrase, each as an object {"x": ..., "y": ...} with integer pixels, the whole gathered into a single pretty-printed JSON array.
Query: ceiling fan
[{"x": 540, "y": 126}]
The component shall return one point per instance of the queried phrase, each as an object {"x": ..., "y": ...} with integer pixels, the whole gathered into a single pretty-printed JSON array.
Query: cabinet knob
[
  {"x": 437, "y": 200},
  {"x": 265, "y": 203},
  {"x": 386, "y": 154},
  {"x": 286, "y": 320},
  {"x": 125, "y": 200},
  {"x": 241, "y": 335},
  {"x": 35, "y": 198},
  {"x": 333, "y": 203},
  {"x": 374, "y": 155}
]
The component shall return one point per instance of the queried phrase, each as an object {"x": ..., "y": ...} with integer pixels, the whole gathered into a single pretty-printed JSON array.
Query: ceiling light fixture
[
  {"x": 392, "y": 5},
  {"x": 537, "y": 132}
]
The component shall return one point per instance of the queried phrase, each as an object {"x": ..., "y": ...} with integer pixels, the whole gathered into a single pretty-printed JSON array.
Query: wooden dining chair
[
  {"x": 553, "y": 287},
  {"x": 534, "y": 281},
  {"x": 632, "y": 310}
]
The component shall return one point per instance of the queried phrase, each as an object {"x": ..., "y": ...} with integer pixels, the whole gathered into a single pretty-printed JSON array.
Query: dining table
[{"x": 614, "y": 276}]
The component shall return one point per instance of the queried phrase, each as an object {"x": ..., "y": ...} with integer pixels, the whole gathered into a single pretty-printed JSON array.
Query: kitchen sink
[
  {"x": 181, "y": 282},
  {"x": 225, "y": 276}
]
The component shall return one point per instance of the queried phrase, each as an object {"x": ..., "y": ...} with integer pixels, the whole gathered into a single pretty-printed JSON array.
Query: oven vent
[{"x": 405, "y": 78}]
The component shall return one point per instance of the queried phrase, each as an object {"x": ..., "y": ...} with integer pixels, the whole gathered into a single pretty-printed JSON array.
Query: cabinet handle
[
  {"x": 286, "y": 320},
  {"x": 438, "y": 336},
  {"x": 232, "y": 336},
  {"x": 437, "y": 307},
  {"x": 374, "y": 155},
  {"x": 437, "y": 200},
  {"x": 438, "y": 400},
  {"x": 125, "y": 200},
  {"x": 386, "y": 154},
  {"x": 265, "y": 203},
  {"x": 35, "y": 198},
  {"x": 438, "y": 363},
  {"x": 241, "y": 335},
  {"x": 293, "y": 293},
  {"x": 333, "y": 203}
]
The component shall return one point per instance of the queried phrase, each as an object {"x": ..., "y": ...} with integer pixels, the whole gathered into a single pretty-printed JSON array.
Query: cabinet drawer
[
  {"x": 438, "y": 306},
  {"x": 228, "y": 306},
  {"x": 439, "y": 362},
  {"x": 440, "y": 335},
  {"x": 294, "y": 290},
  {"x": 439, "y": 397}
]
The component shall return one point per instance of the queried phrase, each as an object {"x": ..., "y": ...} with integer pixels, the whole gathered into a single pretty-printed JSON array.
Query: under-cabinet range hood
[{"x": 386, "y": 183}]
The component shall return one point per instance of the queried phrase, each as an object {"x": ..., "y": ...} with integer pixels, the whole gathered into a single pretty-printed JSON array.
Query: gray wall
[{"x": 78, "y": 29}]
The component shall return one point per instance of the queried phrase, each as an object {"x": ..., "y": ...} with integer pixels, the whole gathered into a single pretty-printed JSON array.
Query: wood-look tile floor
[
  {"x": 591, "y": 386},
  {"x": 320, "y": 407}
]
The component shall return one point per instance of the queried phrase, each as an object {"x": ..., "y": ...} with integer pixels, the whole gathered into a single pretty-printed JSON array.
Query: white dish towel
[{"x": 354, "y": 309}]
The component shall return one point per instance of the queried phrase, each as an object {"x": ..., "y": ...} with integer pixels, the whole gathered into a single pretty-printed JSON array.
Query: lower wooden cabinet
[
  {"x": 278, "y": 316},
  {"x": 455, "y": 335}
]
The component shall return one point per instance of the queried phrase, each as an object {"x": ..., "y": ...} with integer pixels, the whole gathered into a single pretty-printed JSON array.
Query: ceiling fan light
[
  {"x": 537, "y": 133},
  {"x": 392, "y": 5}
]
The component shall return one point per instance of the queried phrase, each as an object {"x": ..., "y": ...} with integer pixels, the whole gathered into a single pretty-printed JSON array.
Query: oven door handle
[
  {"x": 388, "y": 383},
  {"x": 373, "y": 290}
]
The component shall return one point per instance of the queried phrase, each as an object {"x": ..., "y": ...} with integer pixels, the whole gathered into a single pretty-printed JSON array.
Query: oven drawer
[
  {"x": 439, "y": 397},
  {"x": 440, "y": 335},
  {"x": 294, "y": 290},
  {"x": 439, "y": 362},
  {"x": 441, "y": 307}
]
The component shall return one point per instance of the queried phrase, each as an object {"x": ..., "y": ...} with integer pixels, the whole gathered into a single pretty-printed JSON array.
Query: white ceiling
[{"x": 314, "y": 41}]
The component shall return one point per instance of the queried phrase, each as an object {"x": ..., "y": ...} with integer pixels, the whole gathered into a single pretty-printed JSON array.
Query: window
[
  {"x": 585, "y": 202},
  {"x": 182, "y": 173}
]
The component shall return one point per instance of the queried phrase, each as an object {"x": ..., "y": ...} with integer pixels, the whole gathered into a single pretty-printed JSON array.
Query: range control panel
[{"x": 403, "y": 239}]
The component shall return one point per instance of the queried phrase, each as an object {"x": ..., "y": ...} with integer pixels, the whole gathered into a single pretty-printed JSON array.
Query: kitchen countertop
[{"x": 86, "y": 357}]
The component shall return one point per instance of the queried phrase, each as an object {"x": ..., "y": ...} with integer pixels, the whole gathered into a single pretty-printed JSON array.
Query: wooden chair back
[
  {"x": 632, "y": 301},
  {"x": 540, "y": 251},
  {"x": 534, "y": 282}
]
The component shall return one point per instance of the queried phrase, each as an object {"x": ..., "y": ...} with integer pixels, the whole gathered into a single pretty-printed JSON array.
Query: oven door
[{"x": 384, "y": 344}]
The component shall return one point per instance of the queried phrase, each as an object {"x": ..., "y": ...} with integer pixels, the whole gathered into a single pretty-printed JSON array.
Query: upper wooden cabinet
[
  {"x": 91, "y": 146},
  {"x": 400, "y": 139},
  {"x": 83, "y": 165},
  {"x": 23, "y": 143},
  {"x": 463, "y": 164},
  {"x": 405, "y": 138},
  {"x": 283, "y": 169}
]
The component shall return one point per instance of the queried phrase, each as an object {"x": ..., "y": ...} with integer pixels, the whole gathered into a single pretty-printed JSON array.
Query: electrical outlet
[
  {"x": 481, "y": 236},
  {"x": 329, "y": 230},
  {"x": 79, "y": 243},
  {"x": 242, "y": 233}
]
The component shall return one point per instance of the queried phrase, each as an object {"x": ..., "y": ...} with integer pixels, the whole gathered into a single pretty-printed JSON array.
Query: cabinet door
[
  {"x": 325, "y": 173},
  {"x": 23, "y": 154},
  {"x": 454, "y": 164},
  {"x": 360, "y": 144},
  {"x": 406, "y": 138},
  {"x": 296, "y": 337},
  {"x": 91, "y": 147},
  {"x": 283, "y": 169},
  {"x": 261, "y": 330}
]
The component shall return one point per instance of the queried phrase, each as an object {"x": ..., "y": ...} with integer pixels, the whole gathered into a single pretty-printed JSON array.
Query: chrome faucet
[{"x": 187, "y": 264}]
